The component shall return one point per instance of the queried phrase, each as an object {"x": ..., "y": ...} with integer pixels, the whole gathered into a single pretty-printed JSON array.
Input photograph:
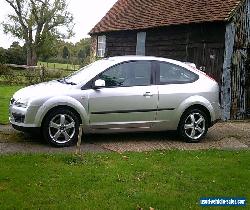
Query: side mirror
[{"x": 99, "y": 83}]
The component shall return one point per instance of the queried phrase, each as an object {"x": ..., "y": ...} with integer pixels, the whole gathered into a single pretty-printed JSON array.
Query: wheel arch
[
  {"x": 200, "y": 107},
  {"x": 65, "y": 102},
  {"x": 61, "y": 107}
]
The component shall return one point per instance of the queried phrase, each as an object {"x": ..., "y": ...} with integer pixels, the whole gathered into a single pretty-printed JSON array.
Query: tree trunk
[
  {"x": 34, "y": 58},
  {"x": 31, "y": 49},
  {"x": 31, "y": 56}
]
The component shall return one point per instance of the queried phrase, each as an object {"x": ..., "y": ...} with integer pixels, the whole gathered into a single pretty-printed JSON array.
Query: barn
[{"x": 213, "y": 34}]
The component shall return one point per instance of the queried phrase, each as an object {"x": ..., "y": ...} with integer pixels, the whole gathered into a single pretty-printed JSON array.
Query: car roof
[
  {"x": 137, "y": 57},
  {"x": 119, "y": 59}
]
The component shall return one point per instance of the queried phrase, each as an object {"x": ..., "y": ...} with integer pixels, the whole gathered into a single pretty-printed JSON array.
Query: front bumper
[
  {"x": 34, "y": 130},
  {"x": 23, "y": 117}
]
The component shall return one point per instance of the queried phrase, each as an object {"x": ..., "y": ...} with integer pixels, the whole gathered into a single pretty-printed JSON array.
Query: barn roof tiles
[{"x": 143, "y": 14}]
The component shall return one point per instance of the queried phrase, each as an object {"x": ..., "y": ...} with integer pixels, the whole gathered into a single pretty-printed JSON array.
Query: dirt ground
[{"x": 228, "y": 135}]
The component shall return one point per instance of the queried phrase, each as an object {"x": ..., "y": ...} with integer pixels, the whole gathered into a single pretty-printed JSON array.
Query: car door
[
  {"x": 129, "y": 98},
  {"x": 174, "y": 87}
]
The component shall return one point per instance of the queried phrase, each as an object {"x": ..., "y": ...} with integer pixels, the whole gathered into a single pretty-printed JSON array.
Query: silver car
[{"x": 120, "y": 94}]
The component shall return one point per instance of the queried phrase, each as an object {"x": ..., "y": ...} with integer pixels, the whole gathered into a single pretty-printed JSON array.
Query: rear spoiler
[{"x": 202, "y": 72}]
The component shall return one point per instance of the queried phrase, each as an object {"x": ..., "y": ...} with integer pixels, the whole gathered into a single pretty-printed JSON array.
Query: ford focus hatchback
[{"x": 120, "y": 94}]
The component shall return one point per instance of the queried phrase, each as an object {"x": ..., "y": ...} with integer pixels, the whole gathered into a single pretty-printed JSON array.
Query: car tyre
[
  {"x": 61, "y": 128},
  {"x": 193, "y": 125}
]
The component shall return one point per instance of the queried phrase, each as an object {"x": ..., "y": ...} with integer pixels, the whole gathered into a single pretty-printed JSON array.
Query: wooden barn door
[
  {"x": 195, "y": 55},
  {"x": 213, "y": 61},
  {"x": 208, "y": 58}
]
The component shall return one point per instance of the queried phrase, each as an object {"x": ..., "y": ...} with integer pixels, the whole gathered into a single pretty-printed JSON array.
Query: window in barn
[
  {"x": 140, "y": 46},
  {"x": 101, "y": 46}
]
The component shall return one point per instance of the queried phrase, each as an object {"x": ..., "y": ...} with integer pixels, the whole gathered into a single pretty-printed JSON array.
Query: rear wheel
[
  {"x": 61, "y": 128},
  {"x": 193, "y": 125}
]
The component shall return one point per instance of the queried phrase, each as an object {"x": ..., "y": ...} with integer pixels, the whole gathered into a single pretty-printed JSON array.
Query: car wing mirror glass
[{"x": 99, "y": 83}]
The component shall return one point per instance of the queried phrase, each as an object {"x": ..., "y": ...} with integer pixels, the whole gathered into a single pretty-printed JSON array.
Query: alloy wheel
[
  {"x": 195, "y": 126},
  {"x": 62, "y": 128}
]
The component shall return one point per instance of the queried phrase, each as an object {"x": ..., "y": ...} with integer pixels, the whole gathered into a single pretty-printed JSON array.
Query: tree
[
  {"x": 66, "y": 53},
  {"x": 49, "y": 48},
  {"x": 3, "y": 58},
  {"x": 34, "y": 20},
  {"x": 83, "y": 48},
  {"x": 81, "y": 54},
  {"x": 15, "y": 54}
]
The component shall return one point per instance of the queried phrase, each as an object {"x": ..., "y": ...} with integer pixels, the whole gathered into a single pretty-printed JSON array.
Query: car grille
[{"x": 19, "y": 118}]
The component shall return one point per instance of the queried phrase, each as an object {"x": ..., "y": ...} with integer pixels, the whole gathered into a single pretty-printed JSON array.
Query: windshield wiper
[{"x": 66, "y": 82}]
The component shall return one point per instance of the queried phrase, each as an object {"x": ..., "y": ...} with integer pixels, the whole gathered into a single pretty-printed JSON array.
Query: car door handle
[{"x": 148, "y": 94}]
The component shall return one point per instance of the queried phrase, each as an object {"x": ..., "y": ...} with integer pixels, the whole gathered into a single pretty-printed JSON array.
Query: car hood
[{"x": 45, "y": 89}]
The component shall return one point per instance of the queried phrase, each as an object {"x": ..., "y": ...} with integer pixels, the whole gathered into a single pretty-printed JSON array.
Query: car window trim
[
  {"x": 90, "y": 83},
  {"x": 158, "y": 82}
]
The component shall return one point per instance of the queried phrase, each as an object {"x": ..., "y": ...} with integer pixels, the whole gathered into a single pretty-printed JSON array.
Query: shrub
[
  {"x": 4, "y": 69},
  {"x": 54, "y": 74},
  {"x": 32, "y": 76},
  {"x": 28, "y": 76}
]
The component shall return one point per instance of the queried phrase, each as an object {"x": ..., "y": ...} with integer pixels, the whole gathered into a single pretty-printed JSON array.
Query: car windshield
[{"x": 87, "y": 72}]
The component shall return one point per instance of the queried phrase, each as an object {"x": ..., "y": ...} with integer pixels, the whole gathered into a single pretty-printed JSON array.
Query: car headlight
[{"x": 22, "y": 103}]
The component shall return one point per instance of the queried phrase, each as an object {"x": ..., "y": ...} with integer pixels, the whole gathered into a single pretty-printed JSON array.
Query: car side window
[
  {"x": 134, "y": 73},
  {"x": 171, "y": 73}
]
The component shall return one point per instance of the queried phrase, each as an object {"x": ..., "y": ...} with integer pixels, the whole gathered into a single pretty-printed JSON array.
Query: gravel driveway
[{"x": 229, "y": 135}]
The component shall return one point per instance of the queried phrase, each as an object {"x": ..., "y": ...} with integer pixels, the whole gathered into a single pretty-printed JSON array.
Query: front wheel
[
  {"x": 61, "y": 128},
  {"x": 193, "y": 125}
]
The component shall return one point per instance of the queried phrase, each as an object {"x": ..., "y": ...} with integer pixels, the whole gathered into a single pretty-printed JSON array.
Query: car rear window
[{"x": 173, "y": 74}]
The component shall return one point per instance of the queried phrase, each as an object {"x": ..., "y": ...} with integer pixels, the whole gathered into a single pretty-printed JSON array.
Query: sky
[{"x": 86, "y": 14}]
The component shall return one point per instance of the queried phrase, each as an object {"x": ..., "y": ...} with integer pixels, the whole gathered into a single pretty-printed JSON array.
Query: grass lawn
[
  {"x": 59, "y": 66},
  {"x": 161, "y": 180},
  {"x": 6, "y": 93}
]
